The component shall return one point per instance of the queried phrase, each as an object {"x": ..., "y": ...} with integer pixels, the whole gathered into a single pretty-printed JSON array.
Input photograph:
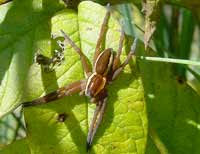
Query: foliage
[{"x": 163, "y": 89}]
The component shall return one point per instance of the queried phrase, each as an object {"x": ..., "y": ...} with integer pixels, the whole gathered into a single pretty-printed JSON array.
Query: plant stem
[
  {"x": 158, "y": 143},
  {"x": 171, "y": 60}
]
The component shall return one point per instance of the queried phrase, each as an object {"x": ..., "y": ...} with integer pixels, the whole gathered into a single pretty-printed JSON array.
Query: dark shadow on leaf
[
  {"x": 173, "y": 108},
  {"x": 17, "y": 37},
  {"x": 12, "y": 30}
]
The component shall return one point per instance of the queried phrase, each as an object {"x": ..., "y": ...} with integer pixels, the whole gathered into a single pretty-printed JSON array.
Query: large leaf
[
  {"x": 18, "y": 35},
  {"x": 18, "y": 147},
  {"x": 124, "y": 126},
  {"x": 173, "y": 110},
  {"x": 42, "y": 123}
]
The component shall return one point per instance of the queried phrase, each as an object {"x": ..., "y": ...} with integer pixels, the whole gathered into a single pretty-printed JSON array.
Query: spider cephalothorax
[{"x": 106, "y": 67}]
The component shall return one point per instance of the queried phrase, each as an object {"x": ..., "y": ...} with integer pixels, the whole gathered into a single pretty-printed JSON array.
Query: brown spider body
[
  {"x": 98, "y": 80},
  {"x": 95, "y": 84},
  {"x": 106, "y": 67}
]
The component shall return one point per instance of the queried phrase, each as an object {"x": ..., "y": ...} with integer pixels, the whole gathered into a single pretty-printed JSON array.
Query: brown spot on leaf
[
  {"x": 62, "y": 117},
  {"x": 180, "y": 80}
]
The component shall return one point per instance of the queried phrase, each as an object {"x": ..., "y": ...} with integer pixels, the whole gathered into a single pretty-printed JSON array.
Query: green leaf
[
  {"x": 113, "y": 2},
  {"x": 18, "y": 147},
  {"x": 173, "y": 109},
  {"x": 8, "y": 125},
  {"x": 124, "y": 126},
  {"x": 185, "y": 3},
  {"x": 186, "y": 38},
  {"x": 18, "y": 40},
  {"x": 42, "y": 123}
]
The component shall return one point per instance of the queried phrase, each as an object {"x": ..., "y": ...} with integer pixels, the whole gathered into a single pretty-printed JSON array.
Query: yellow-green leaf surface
[
  {"x": 19, "y": 26},
  {"x": 124, "y": 125},
  {"x": 18, "y": 147}
]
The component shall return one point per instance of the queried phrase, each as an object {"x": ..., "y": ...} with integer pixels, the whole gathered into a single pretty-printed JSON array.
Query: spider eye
[{"x": 104, "y": 62}]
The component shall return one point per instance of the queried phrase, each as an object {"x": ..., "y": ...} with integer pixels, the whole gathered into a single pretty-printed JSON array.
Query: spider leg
[
  {"x": 129, "y": 56},
  {"x": 67, "y": 90},
  {"x": 101, "y": 35},
  {"x": 97, "y": 118},
  {"x": 83, "y": 58},
  {"x": 116, "y": 62}
]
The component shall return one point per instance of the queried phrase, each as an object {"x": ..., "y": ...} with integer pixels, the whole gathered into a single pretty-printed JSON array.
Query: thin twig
[
  {"x": 171, "y": 60},
  {"x": 158, "y": 143}
]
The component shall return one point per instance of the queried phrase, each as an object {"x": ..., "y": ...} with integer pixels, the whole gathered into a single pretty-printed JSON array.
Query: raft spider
[{"x": 106, "y": 67}]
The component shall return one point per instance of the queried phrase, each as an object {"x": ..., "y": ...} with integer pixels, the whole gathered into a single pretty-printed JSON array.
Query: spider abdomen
[{"x": 104, "y": 62}]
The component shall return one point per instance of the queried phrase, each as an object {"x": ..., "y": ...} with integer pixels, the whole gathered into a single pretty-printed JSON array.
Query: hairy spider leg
[
  {"x": 101, "y": 35},
  {"x": 96, "y": 120},
  {"x": 129, "y": 56},
  {"x": 116, "y": 63},
  {"x": 86, "y": 66},
  {"x": 121, "y": 40},
  {"x": 67, "y": 90}
]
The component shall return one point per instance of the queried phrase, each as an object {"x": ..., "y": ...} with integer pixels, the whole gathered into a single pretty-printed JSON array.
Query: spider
[{"x": 106, "y": 68}]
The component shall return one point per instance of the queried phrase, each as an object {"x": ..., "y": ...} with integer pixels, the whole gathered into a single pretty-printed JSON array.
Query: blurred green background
[{"x": 177, "y": 36}]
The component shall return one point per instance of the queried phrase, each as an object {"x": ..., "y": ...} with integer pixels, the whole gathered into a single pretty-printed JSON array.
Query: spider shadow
[
  {"x": 65, "y": 106},
  {"x": 122, "y": 82},
  {"x": 76, "y": 131}
]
